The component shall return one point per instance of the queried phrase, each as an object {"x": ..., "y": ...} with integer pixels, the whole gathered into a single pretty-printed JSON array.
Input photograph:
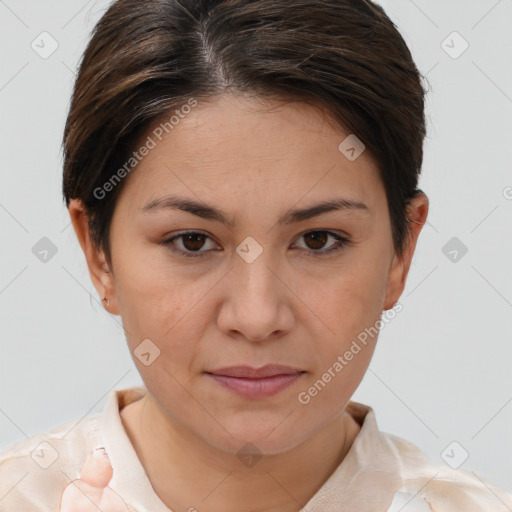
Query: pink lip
[
  {"x": 269, "y": 370},
  {"x": 262, "y": 387}
]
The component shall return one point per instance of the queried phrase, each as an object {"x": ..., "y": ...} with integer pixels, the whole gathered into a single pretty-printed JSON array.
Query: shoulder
[
  {"x": 443, "y": 488},
  {"x": 35, "y": 471}
]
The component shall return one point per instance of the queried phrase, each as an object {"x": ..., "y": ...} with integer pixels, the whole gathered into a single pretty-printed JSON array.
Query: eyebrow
[{"x": 215, "y": 214}]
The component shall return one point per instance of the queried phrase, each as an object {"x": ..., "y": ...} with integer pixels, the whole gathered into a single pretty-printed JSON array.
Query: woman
[{"x": 242, "y": 178}]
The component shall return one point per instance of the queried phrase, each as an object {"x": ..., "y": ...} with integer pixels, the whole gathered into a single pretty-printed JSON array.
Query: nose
[{"x": 258, "y": 303}]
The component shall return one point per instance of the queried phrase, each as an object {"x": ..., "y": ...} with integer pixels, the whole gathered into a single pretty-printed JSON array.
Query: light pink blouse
[{"x": 380, "y": 473}]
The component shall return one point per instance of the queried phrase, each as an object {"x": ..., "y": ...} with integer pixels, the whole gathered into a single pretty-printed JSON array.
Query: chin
[{"x": 265, "y": 438}]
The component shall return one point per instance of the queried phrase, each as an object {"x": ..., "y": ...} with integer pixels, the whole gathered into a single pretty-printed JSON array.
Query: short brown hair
[{"x": 147, "y": 58}]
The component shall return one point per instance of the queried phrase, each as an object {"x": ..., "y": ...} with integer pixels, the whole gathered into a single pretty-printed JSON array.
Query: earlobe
[{"x": 101, "y": 276}]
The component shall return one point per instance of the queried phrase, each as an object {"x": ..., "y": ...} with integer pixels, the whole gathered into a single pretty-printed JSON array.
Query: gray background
[{"x": 442, "y": 368}]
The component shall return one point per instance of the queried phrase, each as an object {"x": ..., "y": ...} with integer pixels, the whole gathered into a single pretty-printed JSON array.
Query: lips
[
  {"x": 249, "y": 372},
  {"x": 259, "y": 388},
  {"x": 256, "y": 383}
]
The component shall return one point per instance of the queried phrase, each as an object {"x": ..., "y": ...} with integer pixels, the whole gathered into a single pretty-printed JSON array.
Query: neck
[{"x": 187, "y": 473}]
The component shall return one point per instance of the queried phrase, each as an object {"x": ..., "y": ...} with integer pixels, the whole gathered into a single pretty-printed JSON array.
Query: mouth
[
  {"x": 256, "y": 383},
  {"x": 269, "y": 370}
]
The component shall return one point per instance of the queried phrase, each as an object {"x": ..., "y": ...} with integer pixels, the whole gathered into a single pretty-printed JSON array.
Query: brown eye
[
  {"x": 316, "y": 240},
  {"x": 191, "y": 243}
]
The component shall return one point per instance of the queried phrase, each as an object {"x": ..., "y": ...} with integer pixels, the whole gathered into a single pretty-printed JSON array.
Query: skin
[{"x": 218, "y": 310}]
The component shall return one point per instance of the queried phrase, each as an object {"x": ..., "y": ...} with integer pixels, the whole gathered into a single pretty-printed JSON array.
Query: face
[{"x": 262, "y": 286}]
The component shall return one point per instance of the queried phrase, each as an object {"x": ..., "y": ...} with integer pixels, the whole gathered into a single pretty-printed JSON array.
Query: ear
[
  {"x": 417, "y": 211},
  {"x": 102, "y": 280}
]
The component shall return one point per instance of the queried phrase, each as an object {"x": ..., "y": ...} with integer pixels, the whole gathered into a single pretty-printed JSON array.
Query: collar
[{"x": 372, "y": 463}]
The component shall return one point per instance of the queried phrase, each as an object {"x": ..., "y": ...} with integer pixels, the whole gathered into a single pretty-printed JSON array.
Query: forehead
[{"x": 248, "y": 146}]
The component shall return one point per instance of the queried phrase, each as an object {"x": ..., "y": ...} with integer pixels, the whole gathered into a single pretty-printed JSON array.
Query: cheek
[
  {"x": 167, "y": 309},
  {"x": 149, "y": 293},
  {"x": 351, "y": 297},
  {"x": 350, "y": 305},
  {"x": 345, "y": 340}
]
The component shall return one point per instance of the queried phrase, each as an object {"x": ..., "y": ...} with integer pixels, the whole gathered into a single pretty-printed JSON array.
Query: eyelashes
[{"x": 195, "y": 238}]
